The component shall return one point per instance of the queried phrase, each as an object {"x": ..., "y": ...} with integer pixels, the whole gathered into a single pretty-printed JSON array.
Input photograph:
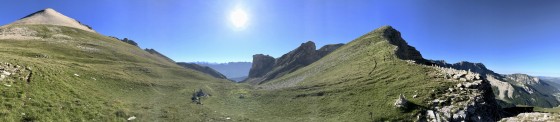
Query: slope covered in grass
[
  {"x": 78, "y": 75},
  {"x": 359, "y": 81}
]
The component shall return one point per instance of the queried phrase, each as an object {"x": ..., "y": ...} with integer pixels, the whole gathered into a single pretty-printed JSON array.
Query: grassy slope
[
  {"x": 116, "y": 80},
  {"x": 361, "y": 77}
]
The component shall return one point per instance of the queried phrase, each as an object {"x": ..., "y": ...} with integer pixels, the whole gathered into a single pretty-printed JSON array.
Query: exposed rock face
[
  {"x": 295, "y": 59},
  {"x": 505, "y": 89},
  {"x": 517, "y": 89},
  {"x": 533, "y": 117},
  {"x": 524, "y": 79},
  {"x": 261, "y": 65},
  {"x": 14, "y": 74},
  {"x": 401, "y": 102},
  {"x": 152, "y": 51},
  {"x": 266, "y": 67},
  {"x": 51, "y": 17},
  {"x": 203, "y": 69},
  {"x": 470, "y": 100},
  {"x": 403, "y": 51}
]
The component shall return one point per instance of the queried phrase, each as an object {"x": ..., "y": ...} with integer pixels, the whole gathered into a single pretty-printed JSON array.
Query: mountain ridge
[{"x": 266, "y": 67}]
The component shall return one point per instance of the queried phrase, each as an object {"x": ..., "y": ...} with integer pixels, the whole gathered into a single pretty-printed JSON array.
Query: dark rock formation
[
  {"x": 267, "y": 68},
  {"x": 404, "y": 51},
  {"x": 295, "y": 59},
  {"x": 261, "y": 65},
  {"x": 203, "y": 69}
]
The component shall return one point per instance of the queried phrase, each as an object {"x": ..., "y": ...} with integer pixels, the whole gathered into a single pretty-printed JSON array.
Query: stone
[
  {"x": 131, "y": 118},
  {"x": 460, "y": 85},
  {"x": 401, "y": 102}
]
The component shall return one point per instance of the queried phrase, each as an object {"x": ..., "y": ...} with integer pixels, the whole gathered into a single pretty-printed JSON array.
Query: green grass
[
  {"x": 118, "y": 80},
  {"x": 115, "y": 81},
  {"x": 359, "y": 78}
]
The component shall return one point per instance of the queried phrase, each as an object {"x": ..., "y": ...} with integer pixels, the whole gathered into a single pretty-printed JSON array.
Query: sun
[{"x": 239, "y": 18}]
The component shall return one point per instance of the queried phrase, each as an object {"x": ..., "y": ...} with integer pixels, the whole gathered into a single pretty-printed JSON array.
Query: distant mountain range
[{"x": 236, "y": 71}]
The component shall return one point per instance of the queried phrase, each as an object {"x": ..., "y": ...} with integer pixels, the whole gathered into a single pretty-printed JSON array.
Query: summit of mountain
[{"x": 52, "y": 17}]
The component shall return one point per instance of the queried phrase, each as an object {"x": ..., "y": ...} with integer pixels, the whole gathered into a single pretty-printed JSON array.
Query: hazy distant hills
[
  {"x": 203, "y": 69},
  {"x": 236, "y": 71}
]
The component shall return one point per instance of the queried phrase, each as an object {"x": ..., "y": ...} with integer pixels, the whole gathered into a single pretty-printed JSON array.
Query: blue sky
[{"x": 508, "y": 36}]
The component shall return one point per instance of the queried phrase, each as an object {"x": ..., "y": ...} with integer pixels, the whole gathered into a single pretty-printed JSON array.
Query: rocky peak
[
  {"x": 50, "y": 16},
  {"x": 266, "y": 68},
  {"x": 403, "y": 51},
  {"x": 305, "y": 54},
  {"x": 261, "y": 65}
]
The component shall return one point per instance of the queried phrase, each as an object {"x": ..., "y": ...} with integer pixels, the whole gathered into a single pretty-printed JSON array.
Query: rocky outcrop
[
  {"x": 261, "y": 65},
  {"x": 14, "y": 74},
  {"x": 295, "y": 59},
  {"x": 470, "y": 100},
  {"x": 516, "y": 89},
  {"x": 203, "y": 69},
  {"x": 403, "y": 51},
  {"x": 267, "y": 68},
  {"x": 401, "y": 102}
]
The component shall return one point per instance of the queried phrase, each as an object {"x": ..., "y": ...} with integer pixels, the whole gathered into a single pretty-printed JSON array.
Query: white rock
[
  {"x": 131, "y": 118},
  {"x": 76, "y": 75},
  {"x": 228, "y": 118}
]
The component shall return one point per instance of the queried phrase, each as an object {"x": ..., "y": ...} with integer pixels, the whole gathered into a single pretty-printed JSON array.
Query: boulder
[{"x": 401, "y": 102}]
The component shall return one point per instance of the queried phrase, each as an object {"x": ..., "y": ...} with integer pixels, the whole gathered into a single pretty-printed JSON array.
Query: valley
[{"x": 55, "y": 68}]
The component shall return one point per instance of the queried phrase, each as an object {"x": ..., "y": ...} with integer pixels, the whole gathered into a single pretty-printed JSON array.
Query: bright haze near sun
[{"x": 239, "y": 18}]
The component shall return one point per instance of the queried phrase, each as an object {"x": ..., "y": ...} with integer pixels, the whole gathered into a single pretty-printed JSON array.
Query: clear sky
[{"x": 508, "y": 36}]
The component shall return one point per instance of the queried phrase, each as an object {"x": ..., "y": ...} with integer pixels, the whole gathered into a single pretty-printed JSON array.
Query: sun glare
[{"x": 239, "y": 18}]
